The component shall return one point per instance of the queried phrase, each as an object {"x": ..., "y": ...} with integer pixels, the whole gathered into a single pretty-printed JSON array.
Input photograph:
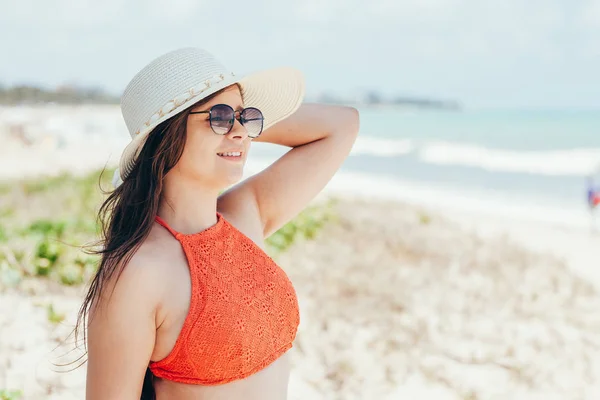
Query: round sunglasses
[{"x": 222, "y": 118}]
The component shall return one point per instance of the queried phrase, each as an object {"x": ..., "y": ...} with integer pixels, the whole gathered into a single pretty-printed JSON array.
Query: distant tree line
[
  {"x": 25, "y": 94},
  {"x": 373, "y": 98},
  {"x": 70, "y": 94}
]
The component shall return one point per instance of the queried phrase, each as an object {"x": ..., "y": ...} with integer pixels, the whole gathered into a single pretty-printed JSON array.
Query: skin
[{"x": 142, "y": 319}]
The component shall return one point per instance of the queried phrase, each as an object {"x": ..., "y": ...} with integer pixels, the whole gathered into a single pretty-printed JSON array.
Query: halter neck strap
[
  {"x": 164, "y": 223},
  {"x": 211, "y": 230}
]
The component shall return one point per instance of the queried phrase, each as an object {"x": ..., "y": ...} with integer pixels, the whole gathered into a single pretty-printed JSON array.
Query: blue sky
[{"x": 484, "y": 53}]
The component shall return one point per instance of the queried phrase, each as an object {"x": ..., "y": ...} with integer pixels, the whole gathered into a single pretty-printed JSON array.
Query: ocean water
[
  {"x": 528, "y": 155},
  {"x": 538, "y": 159},
  {"x": 533, "y": 157}
]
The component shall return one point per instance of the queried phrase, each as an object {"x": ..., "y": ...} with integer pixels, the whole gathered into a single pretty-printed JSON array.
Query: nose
[{"x": 238, "y": 131}]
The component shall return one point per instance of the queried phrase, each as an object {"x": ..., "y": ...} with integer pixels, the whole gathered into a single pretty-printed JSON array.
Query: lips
[{"x": 230, "y": 154}]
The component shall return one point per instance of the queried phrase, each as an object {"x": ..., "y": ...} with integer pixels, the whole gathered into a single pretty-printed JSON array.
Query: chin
[
  {"x": 232, "y": 178},
  {"x": 236, "y": 178}
]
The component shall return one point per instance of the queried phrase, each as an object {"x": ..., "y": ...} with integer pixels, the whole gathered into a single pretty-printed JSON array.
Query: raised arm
[
  {"x": 321, "y": 137},
  {"x": 121, "y": 335}
]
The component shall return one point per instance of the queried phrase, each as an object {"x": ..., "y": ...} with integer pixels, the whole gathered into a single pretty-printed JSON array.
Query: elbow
[
  {"x": 351, "y": 124},
  {"x": 343, "y": 123},
  {"x": 346, "y": 128},
  {"x": 353, "y": 121}
]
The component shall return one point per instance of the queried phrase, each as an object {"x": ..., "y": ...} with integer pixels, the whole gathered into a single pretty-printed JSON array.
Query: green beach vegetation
[{"x": 45, "y": 222}]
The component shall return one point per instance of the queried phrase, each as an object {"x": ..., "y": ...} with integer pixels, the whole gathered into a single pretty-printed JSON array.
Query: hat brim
[{"x": 277, "y": 92}]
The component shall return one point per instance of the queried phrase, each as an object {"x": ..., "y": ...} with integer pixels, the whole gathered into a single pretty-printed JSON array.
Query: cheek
[{"x": 198, "y": 155}]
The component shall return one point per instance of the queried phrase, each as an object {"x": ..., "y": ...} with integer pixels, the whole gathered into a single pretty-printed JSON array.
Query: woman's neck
[{"x": 188, "y": 207}]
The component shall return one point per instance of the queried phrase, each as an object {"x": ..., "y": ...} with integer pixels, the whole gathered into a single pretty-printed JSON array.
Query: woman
[{"x": 185, "y": 303}]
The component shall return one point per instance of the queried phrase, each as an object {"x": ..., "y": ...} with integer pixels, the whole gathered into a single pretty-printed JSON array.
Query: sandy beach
[
  {"x": 396, "y": 302},
  {"x": 402, "y": 297}
]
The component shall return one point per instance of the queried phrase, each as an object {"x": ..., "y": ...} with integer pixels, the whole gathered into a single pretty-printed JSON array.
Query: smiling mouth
[{"x": 231, "y": 155}]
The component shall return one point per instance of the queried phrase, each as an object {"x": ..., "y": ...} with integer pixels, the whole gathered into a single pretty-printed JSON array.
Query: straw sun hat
[{"x": 176, "y": 80}]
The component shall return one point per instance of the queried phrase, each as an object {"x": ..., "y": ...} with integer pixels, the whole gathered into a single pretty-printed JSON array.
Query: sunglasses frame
[{"x": 239, "y": 118}]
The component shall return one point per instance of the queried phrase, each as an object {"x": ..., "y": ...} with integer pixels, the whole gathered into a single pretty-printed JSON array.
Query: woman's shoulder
[
  {"x": 156, "y": 255},
  {"x": 137, "y": 283},
  {"x": 150, "y": 267}
]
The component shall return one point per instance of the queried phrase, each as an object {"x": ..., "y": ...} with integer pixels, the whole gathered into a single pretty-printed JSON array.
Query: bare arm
[
  {"x": 321, "y": 137},
  {"x": 121, "y": 335}
]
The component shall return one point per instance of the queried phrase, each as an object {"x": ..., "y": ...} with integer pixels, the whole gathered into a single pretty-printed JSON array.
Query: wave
[
  {"x": 382, "y": 147},
  {"x": 561, "y": 162},
  {"x": 577, "y": 161}
]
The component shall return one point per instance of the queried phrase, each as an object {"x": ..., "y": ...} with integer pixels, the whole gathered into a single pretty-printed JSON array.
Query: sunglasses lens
[
  {"x": 252, "y": 119},
  {"x": 221, "y": 119}
]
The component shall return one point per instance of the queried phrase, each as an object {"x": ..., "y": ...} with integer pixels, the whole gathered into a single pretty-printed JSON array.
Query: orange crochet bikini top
[{"x": 243, "y": 311}]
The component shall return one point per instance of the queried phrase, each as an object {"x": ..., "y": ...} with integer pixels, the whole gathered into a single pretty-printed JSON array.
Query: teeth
[{"x": 231, "y": 154}]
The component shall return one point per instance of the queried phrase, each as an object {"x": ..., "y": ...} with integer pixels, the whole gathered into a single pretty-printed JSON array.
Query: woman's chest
[{"x": 227, "y": 297}]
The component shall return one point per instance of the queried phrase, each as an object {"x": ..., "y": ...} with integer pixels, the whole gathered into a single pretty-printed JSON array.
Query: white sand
[{"x": 391, "y": 308}]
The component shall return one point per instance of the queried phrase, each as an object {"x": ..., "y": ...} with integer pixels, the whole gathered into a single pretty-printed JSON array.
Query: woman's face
[{"x": 204, "y": 159}]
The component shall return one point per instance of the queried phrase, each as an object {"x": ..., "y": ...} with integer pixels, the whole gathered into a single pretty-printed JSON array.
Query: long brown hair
[{"x": 127, "y": 215}]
